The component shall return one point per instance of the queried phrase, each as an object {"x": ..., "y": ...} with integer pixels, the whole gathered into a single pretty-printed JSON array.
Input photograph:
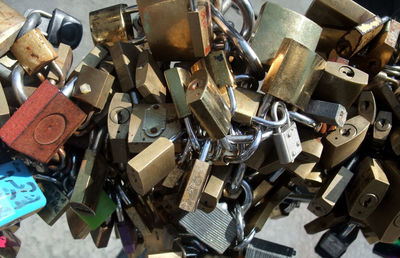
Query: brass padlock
[
  {"x": 328, "y": 41},
  {"x": 367, "y": 189},
  {"x": 151, "y": 165},
  {"x": 177, "y": 81},
  {"x": 343, "y": 142},
  {"x": 149, "y": 122},
  {"x": 367, "y": 106},
  {"x": 92, "y": 59},
  {"x": 111, "y": 24},
  {"x": 207, "y": 105},
  {"x": 183, "y": 36},
  {"x": 276, "y": 23},
  {"x": 382, "y": 127},
  {"x": 93, "y": 87},
  {"x": 340, "y": 84},
  {"x": 11, "y": 22},
  {"x": 119, "y": 114},
  {"x": 294, "y": 74},
  {"x": 173, "y": 177},
  {"x": 385, "y": 220},
  {"x": 102, "y": 234},
  {"x": 149, "y": 79},
  {"x": 64, "y": 61},
  {"x": 125, "y": 58},
  {"x": 220, "y": 70},
  {"x": 262, "y": 189},
  {"x": 33, "y": 51},
  {"x": 78, "y": 228},
  {"x": 57, "y": 203},
  {"x": 4, "y": 109},
  {"x": 357, "y": 38}
]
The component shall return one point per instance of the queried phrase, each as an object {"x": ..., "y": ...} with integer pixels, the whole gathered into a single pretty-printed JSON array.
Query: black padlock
[{"x": 63, "y": 28}]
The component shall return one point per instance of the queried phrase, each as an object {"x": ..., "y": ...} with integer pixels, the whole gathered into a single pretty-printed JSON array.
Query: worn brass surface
[
  {"x": 177, "y": 80},
  {"x": 214, "y": 187},
  {"x": 64, "y": 61},
  {"x": 220, "y": 70},
  {"x": 173, "y": 177}
]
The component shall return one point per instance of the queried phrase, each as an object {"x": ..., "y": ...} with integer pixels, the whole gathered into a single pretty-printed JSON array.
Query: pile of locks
[{"x": 163, "y": 132}]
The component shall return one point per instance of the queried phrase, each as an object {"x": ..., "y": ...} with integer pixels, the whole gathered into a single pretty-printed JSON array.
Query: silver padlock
[{"x": 327, "y": 112}]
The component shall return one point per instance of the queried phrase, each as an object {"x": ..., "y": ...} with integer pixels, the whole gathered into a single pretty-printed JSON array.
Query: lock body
[
  {"x": 276, "y": 23},
  {"x": 110, "y": 24},
  {"x": 207, "y": 105},
  {"x": 287, "y": 144},
  {"x": 173, "y": 177},
  {"x": 92, "y": 59},
  {"x": 177, "y": 80},
  {"x": 11, "y": 22},
  {"x": 57, "y": 203},
  {"x": 42, "y": 124},
  {"x": 102, "y": 234},
  {"x": 367, "y": 106},
  {"x": 151, "y": 165},
  {"x": 382, "y": 127},
  {"x": 64, "y": 61},
  {"x": 33, "y": 51},
  {"x": 78, "y": 228},
  {"x": 220, "y": 70},
  {"x": 294, "y": 74},
  {"x": 327, "y": 112}
]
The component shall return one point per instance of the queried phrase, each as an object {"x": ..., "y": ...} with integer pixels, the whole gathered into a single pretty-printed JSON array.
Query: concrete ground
[{"x": 40, "y": 240}]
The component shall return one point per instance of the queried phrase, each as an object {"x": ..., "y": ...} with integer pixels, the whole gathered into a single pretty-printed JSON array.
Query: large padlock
[
  {"x": 207, "y": 105},
  {"x": 276, "y": 23},
  {"x": 294, "y": 74},
  {"x": 11, "y": 22},
  {"x": 183, "y": 35},
  {"x": 111, "y": 24},
  {"x": 20, "y": 195},
  {"x": 42, "y": 124},
  {"x": 341, "y": 84}
]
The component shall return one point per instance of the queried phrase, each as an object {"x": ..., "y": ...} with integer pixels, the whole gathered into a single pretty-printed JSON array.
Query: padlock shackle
[
  {"x": 69, "y": 87},
  {"x": 248, "y": 17},
  {"x": 32, "y": 21},
  {"x": 131, "y": 9},
  {"x": 192, "y": 136},
  {"x": 123, "y": 195},
  {"x": 17, "y": 82},
  {"x": 245, "y": 155},
  {"x": 204, "y": 151},
  {"x": 232, "y": 99},
  {"x": 303, "y": 119}
]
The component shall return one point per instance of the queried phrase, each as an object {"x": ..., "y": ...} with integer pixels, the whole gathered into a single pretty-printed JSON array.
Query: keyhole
[
  {"x": 347, "y": 71},
  {"x": 367, "y": 202},
  {"x": 345, "y": 132},
  {"x": 365, "y": 105}
]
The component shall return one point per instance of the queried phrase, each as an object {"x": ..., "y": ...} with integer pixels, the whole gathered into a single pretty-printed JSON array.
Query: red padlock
[{"x": 42, "y": 124}]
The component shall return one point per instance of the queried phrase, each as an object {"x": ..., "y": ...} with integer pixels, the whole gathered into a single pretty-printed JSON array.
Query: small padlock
[
  {"x": 42, "y": 124},
  {"x": 343, "y": 142},
  {"x": 57, "y": 203},
  {"x": 367, "y": 189},
  {"x": 331, "y": 191},
  {"x": 276, "y": 23},
  {"x": 4, "y": 108},
  {"x": 92, "y": 59},
  {"x": 382, "y": 127},
  {"x": 340, "y": 84},
  {"x": 207, "y": 105},
  {"x": 327, "y": 112},
  {"x": 101, "y": 235},
  {"x": 78, "y": 228},
  {"x": 177, "y": 80},
  {"x": 294, "y": 73},
  {"x": 93, "y": 87},
  {"x": 196, "y": 181},
  {"x": 220, "y": 70},
  {"x": 11, "y": 22},
  {"x": 149, "y": 79},
  {"x": 367, "y": 106},
  {"x": 119, "y": 114},
  {"x": 111, "y": 24},
  {"x": 125, "y": 58},
  {"x": 287, "y": 143}
]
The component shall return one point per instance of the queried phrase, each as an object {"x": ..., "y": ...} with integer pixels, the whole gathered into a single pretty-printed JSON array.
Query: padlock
[
  {"x": 287, "y": 143},
  {"x": 207, "y": 105},
  {"x": 328, "y": 41},
  {"x": 220, "y": 70},
  {"x": 217, "y": 236},
  {"x": 214, "y": 187},
  {"x": 367, "y": 106},
  {"x": 64, "y": 28},
  {"x": 265, "y": 186},
  {"x": 57, "y": 203},
  {"x": 380, "y": 50},
  {"x": 20, "y": 195},
  {"x": 123, "y": 229},
  {"x": 149, "y": 122},
  {"x": 125, "y": 58},
  {"x": 173, "y": 177},
  {"x": 357, "y": 38},
  {"x": 327, "y": 197},
  {"x": 294, "y": 74},
  {"x": 11, "y": 22},
  {"x": 343, "y": 142},
  {"x": 4, "y": 109},
  {"x": 327, "y": 112},
  {"x": 91, "y": 177},
  {"x": 192, "y": 28},
  {"x": 382, "y": 127},
  {"x": 367, "y": 189},
  {"x": 102, "y": 234},
  {"x": 149, "y": 79},
  {"x": 395, "y": 140},
  {"x": 42, "y": 124},
  {"x": 384, "y": 93},
  {"x": 337, "y": 216},
  {"x": 111, "y": 24},
  {"x": 151, "y": 165},
  {"x": 93, "y": 87},
  {"x": 92, "y": 59},
  {"x": 196, "y": 181},
  {"x": 78, "y": 228},
  {"x": 64, "y": 61},
  {"x": 338, "y": 13},
  {"x": 177, "y": 81},
  {"x": 119, "y": 114},
  {"x": 33, "y": 51},
  {"x": 276, "y": 23},
  {"x": 260, "y": 248},
  {"x": 340, "y": 84}
]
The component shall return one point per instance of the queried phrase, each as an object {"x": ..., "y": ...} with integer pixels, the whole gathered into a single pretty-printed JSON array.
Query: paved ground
[{"x": 40, "y": 240}]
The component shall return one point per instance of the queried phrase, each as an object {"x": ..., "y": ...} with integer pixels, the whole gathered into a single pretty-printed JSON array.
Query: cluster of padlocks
[{"x": 186, "y": 135}]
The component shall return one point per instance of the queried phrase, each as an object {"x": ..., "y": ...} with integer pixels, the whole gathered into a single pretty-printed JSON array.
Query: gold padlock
[
  {"x": 11, "y": 22},
  {"x": 328, "y": 41},
  {"x": 367, "y": 189},
  {"x": 173, "y": 177},
  {"x": 177, "y": 81},
  {"x": 207, "y": 105},
  {"x": 149, "y": 79},
  {"x": 262, "y": 189},
  {"x": 343, "y": 142},
  {"x": 33, "y": 51},
  {"x": 276, "y": 23},
  {"x": 220, "y": 70},
  {"x": 92, "y": 59},
  {"x": 340, "y": 84},
  {"x": 294, "y": 74}
]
